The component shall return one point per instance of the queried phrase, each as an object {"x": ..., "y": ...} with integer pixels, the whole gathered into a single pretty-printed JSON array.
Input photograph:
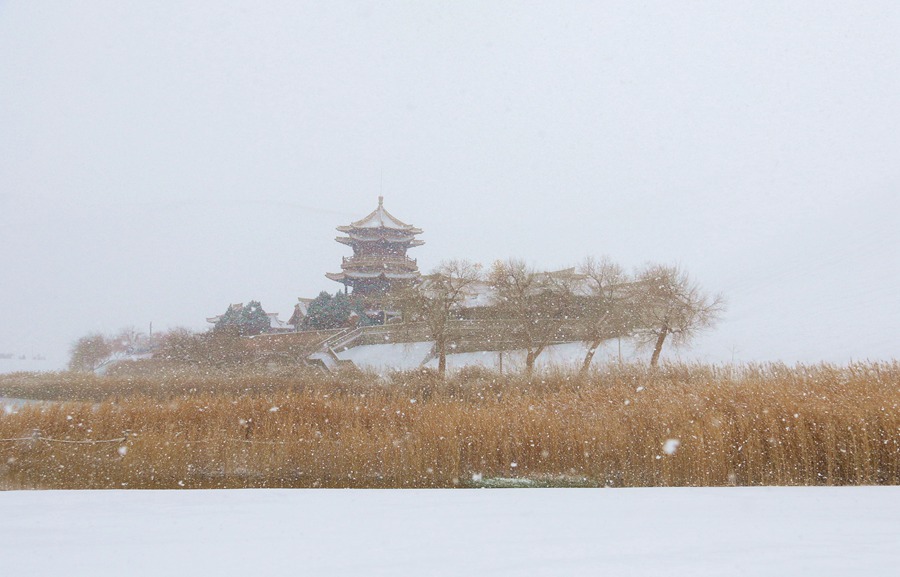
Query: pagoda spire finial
[{"x": 380, "y": 201}]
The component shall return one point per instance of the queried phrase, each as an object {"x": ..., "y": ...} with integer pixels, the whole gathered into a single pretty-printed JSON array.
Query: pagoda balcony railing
[{"x": 379, "y": 262}]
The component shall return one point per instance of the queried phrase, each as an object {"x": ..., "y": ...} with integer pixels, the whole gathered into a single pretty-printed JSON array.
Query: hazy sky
[{"x": 160, "y": 160}]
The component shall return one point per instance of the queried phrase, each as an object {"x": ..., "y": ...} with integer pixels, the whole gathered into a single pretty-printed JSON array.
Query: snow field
[
  {"x": 696, "y": 532},
  {"x": 409, "y": 356}
]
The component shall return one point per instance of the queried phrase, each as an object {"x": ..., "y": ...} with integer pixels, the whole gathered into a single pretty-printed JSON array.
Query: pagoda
[{"x": 379, "y": 262}]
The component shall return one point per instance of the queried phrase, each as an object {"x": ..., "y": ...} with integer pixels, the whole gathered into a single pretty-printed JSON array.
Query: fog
[{"x": 159, "y": 161}]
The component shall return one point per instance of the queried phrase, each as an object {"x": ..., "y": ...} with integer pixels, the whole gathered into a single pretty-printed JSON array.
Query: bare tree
[
  {"x": 126, "y": 341},
  {"x": 437, "y": 297},
  {"x": 606, "y": 308},
  {"x": 90, "y": 352},
  {"x": 182, "y": 345},
  {"x": 671, "y": 304},
  {"x": 535, "y": 305}
]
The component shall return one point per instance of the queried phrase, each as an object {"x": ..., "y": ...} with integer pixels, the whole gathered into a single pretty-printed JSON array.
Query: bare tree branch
[{"x": 671, "y": 305}]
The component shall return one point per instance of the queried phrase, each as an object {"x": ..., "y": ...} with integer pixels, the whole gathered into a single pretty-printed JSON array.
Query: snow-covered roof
[
  {"x": 303, "y": 305},
  {"x": 276, "y": 323},
  {"x": 382, "y": 234},
  {"x": 380, "y": 218},
  {"x": 339, "y": 276},
  {"x": 478, "y": 294},
  {"x": 235, "y": 307}
]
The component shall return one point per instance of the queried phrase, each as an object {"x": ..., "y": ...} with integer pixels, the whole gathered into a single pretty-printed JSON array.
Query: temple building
[{"x": 379, "y": 262}]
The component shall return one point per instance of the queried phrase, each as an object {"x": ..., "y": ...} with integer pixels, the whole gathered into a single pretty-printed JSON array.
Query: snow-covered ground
[
  {"x": 408, "y": 356},
  {"x": 9, "y": 405},
  {"x": 624, "y": 532},
  {"x": 393, "y": 356}
]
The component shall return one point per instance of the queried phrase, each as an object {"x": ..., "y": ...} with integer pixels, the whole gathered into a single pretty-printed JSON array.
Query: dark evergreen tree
[
  {"x": 328, "y": 312},
  {"x": 253, "y": 319},
  {"x": 230, "y": 319},
  {"x": 247, "y": 320}
]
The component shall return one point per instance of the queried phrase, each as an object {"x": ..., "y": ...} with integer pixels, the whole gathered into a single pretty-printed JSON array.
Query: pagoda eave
[
  {"x": 353, "y": 239},
  {"x": 377, "y": 230},
  {"x": 381, "y": 218},
  {"x": 356, "y": 275}
]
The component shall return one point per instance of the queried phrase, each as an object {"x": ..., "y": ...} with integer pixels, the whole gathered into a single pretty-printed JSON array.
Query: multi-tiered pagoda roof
[{"x": 379, "y": 262}]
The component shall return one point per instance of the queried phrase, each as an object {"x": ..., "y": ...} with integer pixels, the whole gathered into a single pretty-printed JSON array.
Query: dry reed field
[{"x": 619, "y": 426}]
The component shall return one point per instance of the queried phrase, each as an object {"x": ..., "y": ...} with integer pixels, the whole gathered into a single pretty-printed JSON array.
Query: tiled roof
[{"x": 380, "y": 218}]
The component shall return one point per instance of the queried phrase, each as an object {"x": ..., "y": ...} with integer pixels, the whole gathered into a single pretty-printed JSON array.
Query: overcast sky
[{"x": 160, "y": 160}]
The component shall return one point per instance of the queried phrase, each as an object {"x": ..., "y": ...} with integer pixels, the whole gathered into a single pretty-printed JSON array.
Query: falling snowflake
[{"x": 670, "y": 446}]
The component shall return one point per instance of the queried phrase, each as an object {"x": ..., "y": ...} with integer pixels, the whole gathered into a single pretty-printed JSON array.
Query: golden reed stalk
[{"x": 620, "y": 426}]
